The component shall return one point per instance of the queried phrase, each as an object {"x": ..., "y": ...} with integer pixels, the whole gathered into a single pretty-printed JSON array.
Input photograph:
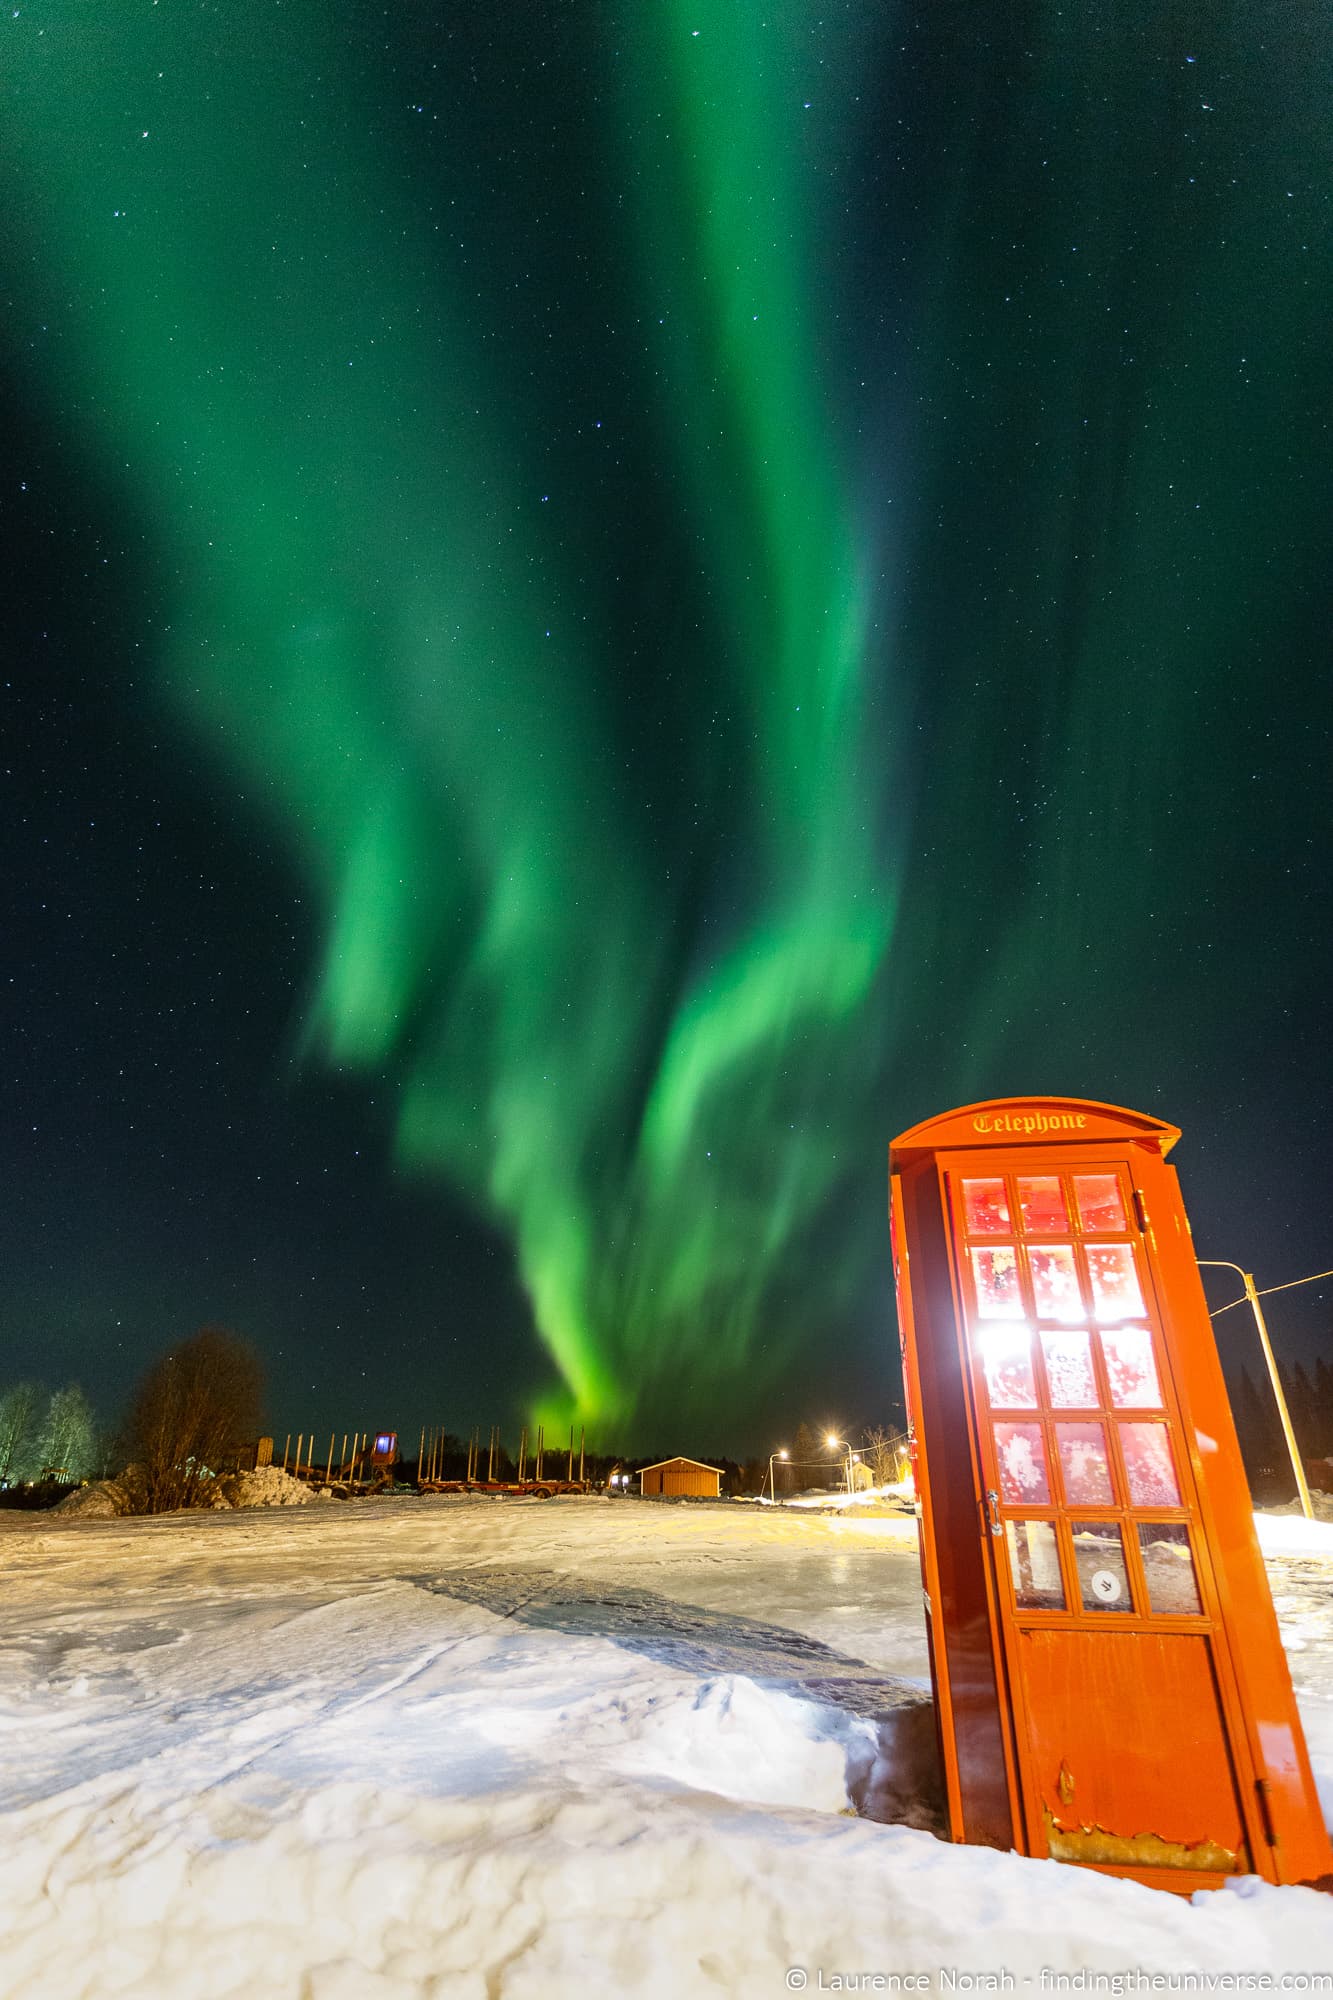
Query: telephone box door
[{"x": 1102, "y": 1592}]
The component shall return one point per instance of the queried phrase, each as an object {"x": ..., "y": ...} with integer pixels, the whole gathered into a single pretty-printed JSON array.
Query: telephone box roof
[{"x": 1010, "y": 1121}]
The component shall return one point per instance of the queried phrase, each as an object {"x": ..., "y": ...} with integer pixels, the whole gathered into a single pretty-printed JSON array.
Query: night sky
[{"x": 608, "y": 604}]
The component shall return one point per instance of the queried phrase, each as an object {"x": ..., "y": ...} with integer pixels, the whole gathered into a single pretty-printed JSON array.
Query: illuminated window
[
  {"x": 995, "y": 1275},
  {"x": 1041, "y": 1203},
  {"x": 1021, "y": 1451},
  {"x": 1084, "y": 1464},
  {"x": 1149, "y": 1466},
  {"x": 1100, "y": 1209},
  {"x": 1006, "y": 1357},
  {"x": 1055, "y": 1283},
  {"x": 1069, "y": 1369},
  {"x": 1115, "y": 1282},
  {"x": 985, "y": 1207},
  {"x": 1131, "y": 1369}
]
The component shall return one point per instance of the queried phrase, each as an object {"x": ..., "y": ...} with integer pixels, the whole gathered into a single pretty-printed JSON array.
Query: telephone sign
[{"x": 1110, "y": 1685}]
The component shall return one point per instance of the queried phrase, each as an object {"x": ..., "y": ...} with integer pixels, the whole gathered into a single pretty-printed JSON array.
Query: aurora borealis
[{"x": 751, "y": 573}]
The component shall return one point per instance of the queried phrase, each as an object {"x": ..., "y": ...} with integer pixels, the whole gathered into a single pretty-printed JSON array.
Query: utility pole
[{"x": 1253, "y": 1295}]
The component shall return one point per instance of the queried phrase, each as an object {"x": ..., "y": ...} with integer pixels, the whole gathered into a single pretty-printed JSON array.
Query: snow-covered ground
[{"x": 459, "y": 1747}]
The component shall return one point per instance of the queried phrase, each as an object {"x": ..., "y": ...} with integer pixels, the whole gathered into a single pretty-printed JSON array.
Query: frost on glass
[
  {"x": 1131, "y": 1369},
  {"x": 1006, "y": 1358},
  {"x": 1041, "y": 1203},
  {"x": 985, "y": 1208},
  {"x": 1100, "y": 1209},
  {"x": 995, "y": 1275},
  {"x": 1034, "y": 1564},
  {"x": 1055, "y": 1283},
  {"x": 1084, "y": 1465},
  {"x": 1069, "y": 1375},
  {"x": 1021, "y": 1451},
  {"x": 1099, "y": 1556},
  {"x": 1168, "y": 1564},
  {"x": 1149, "y": 1466},
  {"x": 1115, "y": 1282}
]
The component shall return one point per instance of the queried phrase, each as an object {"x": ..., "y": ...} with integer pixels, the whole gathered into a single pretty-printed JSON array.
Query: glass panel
[
  {"x": 1115, "y": 1282},
  {"x": 1069, "y": 1375},
  {"x": 1130, "y": 1368},
  {"x": 1041, "y": 1202},
  {"x": 1100, "y": 1209},
  {"x": 1021, "y": 1451},
  {"x": 995, "y": 1275},
  {"x": 1099, "y": 1554},
  {"x": 1006, "y": 1357},
  {"x": 1173, "y": 1588},
  {"x": 1055, "y": 1283},
  {"x": 1034, "y": 1564},
  {"x": 1149, "y": 1466},
  {"x": 1087, "y": 1475},
  {"x": 985, "y": 1208}
]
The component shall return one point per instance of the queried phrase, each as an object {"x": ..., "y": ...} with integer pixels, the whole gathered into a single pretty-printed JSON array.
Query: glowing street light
[
  {"x": 1253, "y": 1295},
  {"x": 833, "y": 1444},
  {"x": 772, "y": 1489}
]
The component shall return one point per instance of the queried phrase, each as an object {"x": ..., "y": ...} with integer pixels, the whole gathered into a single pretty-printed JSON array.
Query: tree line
[
  {"x": 48, "y": 1435},
  {"x": 192, "y": 1413},
  {"x": 1309, "y": 1394}
]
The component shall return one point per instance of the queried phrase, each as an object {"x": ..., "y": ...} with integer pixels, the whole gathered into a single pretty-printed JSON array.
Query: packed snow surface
[{"x": 528, "y": 1750}]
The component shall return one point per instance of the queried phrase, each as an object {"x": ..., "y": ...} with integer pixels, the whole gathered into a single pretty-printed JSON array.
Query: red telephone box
[{"x": 1110, "y": 1686}]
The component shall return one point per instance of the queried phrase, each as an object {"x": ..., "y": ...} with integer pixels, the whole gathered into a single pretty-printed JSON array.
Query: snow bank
[
  {"x": 453, "y": 1751},
  {"x": 267, "y": 1486},
  {"x": 1293, "y": 1535},
  {"x": 101, "y": 1501}
]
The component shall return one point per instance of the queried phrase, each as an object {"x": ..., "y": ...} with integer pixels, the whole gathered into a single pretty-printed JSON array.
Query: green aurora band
[{"x": 359, "y": 623}]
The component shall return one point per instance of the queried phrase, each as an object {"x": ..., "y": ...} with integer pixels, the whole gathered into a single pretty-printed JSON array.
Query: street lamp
[
  {"x": 833, "y": 1443},
  {"x": 1253, "y": 1295},
  {"x": 772, "y": 1488}
]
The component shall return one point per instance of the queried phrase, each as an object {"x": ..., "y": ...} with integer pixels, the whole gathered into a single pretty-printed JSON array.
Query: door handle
[{"x": 993, "y": 1511}]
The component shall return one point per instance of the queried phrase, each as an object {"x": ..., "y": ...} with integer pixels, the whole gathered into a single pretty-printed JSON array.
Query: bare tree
[
  {"x": 884, "y": 1451},
  {"x": 192, "y": 1411},
  {"x": 67, "y": 1444},
  {"x": 19, "y": 1409}
]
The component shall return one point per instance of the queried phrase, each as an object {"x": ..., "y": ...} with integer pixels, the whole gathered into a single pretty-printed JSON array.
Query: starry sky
[{"x": 608, "y": 604}]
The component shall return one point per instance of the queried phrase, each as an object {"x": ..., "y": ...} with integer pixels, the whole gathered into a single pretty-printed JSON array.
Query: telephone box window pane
[
  {"x": 985, "y": 1208},
  {"x": 1148, "y": 1463},
  {"x": 1083, "y": 1461},
  {"x": 1041, "y": 1202},
  {"x": 1115, "y": 1282},
  {"x": 1034, "y": 1564},
  {"x": 1131, "y": 1369},
  {"x": 1055, "y": 1283},
  {"x": 1099, "y": 1554},
  {"x": 1006, "y": 1357},
  {"x": 1173, "y": 1588},
  {"x": 995, "y": 1275},
  {"x": 1021, "y": 1451},
  {"x": 1069, "y": 1375},
  {"x": 1100, "y": 1209}
]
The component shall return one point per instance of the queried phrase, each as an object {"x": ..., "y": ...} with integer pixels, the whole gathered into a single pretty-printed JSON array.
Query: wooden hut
[{"x": 681, "y": 1476}]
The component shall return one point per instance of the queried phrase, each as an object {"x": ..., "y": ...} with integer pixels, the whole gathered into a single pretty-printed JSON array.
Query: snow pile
[
  {"x": 267, "y": 1486},
  {"x": 1291, "y": 1534},
  {"x": 727, "y": 1735},
  {"x": 102, "y": 1501},
  {"x": 893, "y": 1499}
]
